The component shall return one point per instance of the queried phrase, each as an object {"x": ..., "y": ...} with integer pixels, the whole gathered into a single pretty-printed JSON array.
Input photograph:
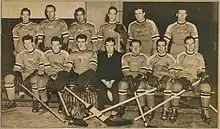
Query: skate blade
[
  {"x": 41, "y": 113},
  {"x": 9, "y": 110}
]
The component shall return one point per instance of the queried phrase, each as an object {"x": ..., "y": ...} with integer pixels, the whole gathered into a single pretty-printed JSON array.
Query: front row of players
[{"x": 139, "y": 73}]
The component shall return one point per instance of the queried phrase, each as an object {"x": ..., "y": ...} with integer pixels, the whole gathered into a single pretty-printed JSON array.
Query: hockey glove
[
  {"x": 163, "y": 83},
  {"x": 152, "y": 80},
  {"x": 64, "y": 46},
  {"x": 129, "y": 79},
  {"x": 18, "y": 77},
  {"x": 136, "y": 81},
  {"x": 187, "y": 85},
  {"x": 204, "y": 76}
]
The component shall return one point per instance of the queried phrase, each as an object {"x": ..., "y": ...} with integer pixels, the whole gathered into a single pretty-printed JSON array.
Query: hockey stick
[
  {"x": 72, "y": 120},
  {"x": 98, "y": 113},
  {"x": 213, "y": 108},
  {"x": 167, "y": 100},
  {"x": 121, "y": 103},
  {"x": 48, "y": 108},
  {"x": 140, "y": 109}
]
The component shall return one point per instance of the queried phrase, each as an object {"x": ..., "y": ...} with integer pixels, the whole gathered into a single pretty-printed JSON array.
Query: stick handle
[
  {"x": 121, "y": 103},
  {"x": 63, "y": 103},
  {"x": 213, "y": 108},
  {"x": 48, "y": 108},
  {"x": 162, "y": 103},
  {"x": 139, "y": 106}
]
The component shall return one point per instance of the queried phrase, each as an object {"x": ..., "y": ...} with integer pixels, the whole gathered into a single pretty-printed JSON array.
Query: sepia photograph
[{"x": 109, "y": 64}]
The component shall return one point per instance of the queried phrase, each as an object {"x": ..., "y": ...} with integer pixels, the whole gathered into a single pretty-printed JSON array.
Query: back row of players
[{"x": 133, "y": 71}]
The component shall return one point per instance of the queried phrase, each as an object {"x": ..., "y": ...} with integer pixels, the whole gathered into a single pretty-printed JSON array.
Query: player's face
[
  {"x": 25, "y": 16},
  {"x": 161, "y": 47},
  {"x": 112, "y": 15},
  {"x": 56, "y": 46},
  {"x": 139, "y": 15},
  {"x": 29, "y": 45},
  {"x": 110, "y": 47},
  {"x": 81, "y": 43},
  {"x": 190, "y": 45},
  {"x": 80, "y": 16},
  {"x": 135, "y": 48},
  {"x": 181, "y": 15},
  {"x": 50, "y": 13}
]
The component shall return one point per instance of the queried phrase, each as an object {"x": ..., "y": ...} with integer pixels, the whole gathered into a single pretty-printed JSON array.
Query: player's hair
[
  {"x": 26, "y": 9},
  {"x": 110, "y": 8},
  {"x": 134, "y": 40},
  {"x": 140, "y": 8},
  {"x": 27, "y": 37},
  {"x": 177, "y": 11},
  {"x": 50, "y": 5},
  {"x": 81, "y": 36},
  {"x": 110, "y": 39},
  {"x": 79, "y": 9},
  {"x": 56, "y": 38},
  {"x": 188, "y": 38},
  {"x": 161, "y": 40}
]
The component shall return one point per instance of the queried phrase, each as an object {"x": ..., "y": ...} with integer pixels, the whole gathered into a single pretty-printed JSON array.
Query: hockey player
[
  {"x": 144, "y": 30},
  {"x": 28, "y": 70},
  {"x": 50, "y": 27},
  {"x": 178, "y": 31},
  {"x": 108, "y": 74},
  {"x": 84, "y": 65},
  {"x": 114, "y": 29},
  {"x": 57, "y": 66},
  {"x": 24, "y": 28},
  {"x": 162, "y": 67},
  {"x": 192, "y": 67},
  {"x": 134, "y": 68},
  {"x": 82, "y": 27}
]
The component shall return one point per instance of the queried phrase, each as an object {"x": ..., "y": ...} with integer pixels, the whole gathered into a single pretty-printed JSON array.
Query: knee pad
[
  {"x": 9, "y": 79},
  {"x": 205, "y": 88},
  {"x": 123, "y": 85},
  {"x": 176, "y": 87},
  {"x": 34, "y": 79}
]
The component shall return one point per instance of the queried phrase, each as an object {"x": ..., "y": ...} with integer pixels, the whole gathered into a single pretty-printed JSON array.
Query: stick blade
[
  {"x": 78, "y": 122},
  {"x": 121, "y": 122}
]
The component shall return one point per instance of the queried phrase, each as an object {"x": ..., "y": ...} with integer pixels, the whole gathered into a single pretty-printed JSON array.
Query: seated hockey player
[
  {"x": 108, "y": 74},
  {"x": 84, "y": 65},
  {"x": 191, "y": 67},
  {"x": 134, "y": 68},
  {"x": 162, "y": 66},
  {"x": 28, "y": 71},
  {"x": 57, "y": 67}
]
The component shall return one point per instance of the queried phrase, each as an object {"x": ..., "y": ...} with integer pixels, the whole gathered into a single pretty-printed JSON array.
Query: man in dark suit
[{"x": 108, "y": 74}]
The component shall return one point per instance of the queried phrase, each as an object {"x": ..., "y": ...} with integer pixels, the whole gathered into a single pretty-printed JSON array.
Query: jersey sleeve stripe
[
  {"x": 125, "y": 68},
  {"x": 41, "y": 64},
  {"x": 93, "y": 61},
  {"x": 69, "y": 62},
  {"x": 16, "y": 64},
  {"x": 167, "y": 37},
  {"x": 144, "y": 68}
]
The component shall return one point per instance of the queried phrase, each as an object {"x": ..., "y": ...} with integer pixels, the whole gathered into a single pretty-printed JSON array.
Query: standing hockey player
[
  {"x": 178, "y": 31},
  {"x": 50, "y": 27},
  {"x": 162, "y": 66},
  {"x": 144, "y": 30},
  {"x": 134, "y": 68},
  {"x": 114, "y": 29},
  {"x": 84, "y": 65},
  {"x": 108, "y": 74},
  {"x": 192, "y": 67},
  {"x": 57, "y": 66},
  {"x": 82, "y": 27},
  {"x": 28, "y": 70},
  {"x": 24, "y": 28}
]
